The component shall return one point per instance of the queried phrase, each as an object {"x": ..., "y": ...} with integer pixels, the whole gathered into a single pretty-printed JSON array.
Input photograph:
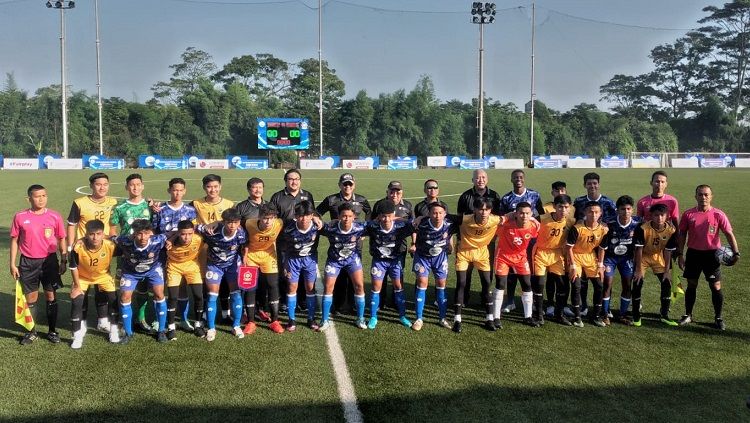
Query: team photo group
[{"x": 213, "y": 261}]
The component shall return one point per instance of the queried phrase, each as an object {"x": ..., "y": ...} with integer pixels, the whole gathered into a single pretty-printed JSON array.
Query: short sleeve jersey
[
  {"x": 384, "y": 243},
  {"x": 249, "y": 209},
  {"x": 210, "y": 212},
  {"x": 37, "y": 234},
  {"x": 583, "y": 239},
  {"x": 431, "y": 240},
  {"x": 609, "y": 211},
  {"x": 168, "y": 217},
  {"x": 223, "y": 251},
  {"x": 93, "y": 265},
  {"x": 423, "y": 208},
  {"x": 343, "y": 244},
  {"x": 84, "y": 209},
  {"x": 183, "y": 253},
  {"x": 513, "y": 240},
  {"x": 702, "y": 228},
  {"x": 137, "y": 260},
  {"x": 553, "y": 233},
  {"x": 476, "y": 235},
  {"x": 654, "y": 241},
  {"x": 125, "y": 213},
  {"x": 300, "y": 243},
  {"x": 618, "y": 242},
  {"x": 466, "y": 200},
  {"x": 510, "y": 201},
  {"x": 549, "y": 208},
  {"x": 645, "y": 203},
  {"x": 264, "y": 240}
]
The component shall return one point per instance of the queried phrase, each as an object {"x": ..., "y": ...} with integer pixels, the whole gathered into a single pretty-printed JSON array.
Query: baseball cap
[
  {"x": 346, "y": 177},
  {"x": 394, "y": 185}
]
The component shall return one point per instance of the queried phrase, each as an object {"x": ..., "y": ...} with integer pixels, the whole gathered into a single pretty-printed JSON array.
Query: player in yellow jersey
[
  {"x": 89, "y": 265},
  {"x": 260, "y": 252},
  {"x": 585, "y": 260},
  {"x": 209, "y": 210},
  {"x": 558, "y": 188},
  {"x": 183, "y": 249},
  {"x": 655, "y": 241},
  {"x": 477, "y": 231},
  {"x": 549, "y": 259},
  {"x": 95, "y": 206}
]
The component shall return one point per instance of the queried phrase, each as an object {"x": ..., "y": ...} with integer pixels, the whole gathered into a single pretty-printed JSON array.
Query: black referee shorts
[
  {"x": 44, "y": 270},
  {"x": 702, "y": 261}
]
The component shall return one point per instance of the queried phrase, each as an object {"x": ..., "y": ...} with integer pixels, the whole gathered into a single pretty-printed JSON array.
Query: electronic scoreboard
[{"x": 283, "y": 134}]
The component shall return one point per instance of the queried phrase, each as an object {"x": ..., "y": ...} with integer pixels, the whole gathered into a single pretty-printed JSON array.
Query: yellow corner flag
[
  {"x": 677, "y": 291},
  {"x": 23, "y": 314}
]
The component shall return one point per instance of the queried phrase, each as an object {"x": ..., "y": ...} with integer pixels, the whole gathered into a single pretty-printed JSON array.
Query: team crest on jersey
[
  {"x": 354, "y": 238},
  {"x": 47, "y": 232},
  {"x": 234, "y": 247},
  {"x": 527, "y": 236},
  {"x": 103, "y": 254},
  {"x": 145, "y": 212},
  {"x": 711, "y": 229},
  {"x": 150, "y": 255}
]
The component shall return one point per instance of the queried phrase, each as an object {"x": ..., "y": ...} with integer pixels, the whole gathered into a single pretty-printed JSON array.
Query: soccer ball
[{"x": 725, "y": 255}]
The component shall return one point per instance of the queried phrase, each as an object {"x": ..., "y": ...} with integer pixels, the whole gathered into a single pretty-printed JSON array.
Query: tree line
[{"x": 693, "y": 100}]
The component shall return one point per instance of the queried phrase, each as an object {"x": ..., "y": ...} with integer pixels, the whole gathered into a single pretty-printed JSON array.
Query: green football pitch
[{"x": 518, "y": 374}]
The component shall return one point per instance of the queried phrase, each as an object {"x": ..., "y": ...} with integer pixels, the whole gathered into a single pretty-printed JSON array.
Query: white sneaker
[
  {"x": 77, "y": 339},
  {"x": 510, "y": 307},
  {"x": 417, "y": 325},
  {"x": 237, "y": 331},
  {"x": 103, "y": 325},
  {"x": 114, "y": 334},
  {"x": 610, "y": 315},
  {"x": 550, "y": 311},
  {"x": 325, "y": 326},
  {"x": 210, "y": 335},
  {"x": 568, "y": 312},
  {"x": 186, "y": 326}
]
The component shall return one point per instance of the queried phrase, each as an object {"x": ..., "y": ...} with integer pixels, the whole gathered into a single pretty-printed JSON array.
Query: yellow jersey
[
  {"x": 263, "y": 240},
  {"x": 85, "y": 209},
  {"x": 583, "y": 239},
  {"x": 654, "y": 241},
  {"x": 475, "y": 235},
  {"x": 93, "y": 265},
  {"x": 185, "y": 253},
  {"x": 549, "y": 208},
  {"x": 210, "y": 212},
  {"x": 553, "y": 233}
]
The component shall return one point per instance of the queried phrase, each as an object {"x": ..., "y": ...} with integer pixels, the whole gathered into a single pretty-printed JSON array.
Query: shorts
[
  {"x": 153, "y": 277},
  {"x": 105, "y": 285},
  {"x": 264, "y": 260},
  {"x": 702, "y": 261},
  {"x": 478, "y": 257},
  {"x": 393, "y": 268},
  {"x": 621, "y": 263},
  {"x": 304, "y": 267},
  {"x": 215, "y": 275},
  {"x": 654, "y": 262},
  {"x": 586, "y": 265},
  {"x": 552, "y": 261},
  {"x": 438, "y": 265},
  {"x": 190, "y": 270},
  {"x": 44, "y": 270},
  {"x": 518, "y": 263},
  {"x": 350, "y": 265}
]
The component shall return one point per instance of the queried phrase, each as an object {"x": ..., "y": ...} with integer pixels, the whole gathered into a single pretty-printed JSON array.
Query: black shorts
[
  {"x": 45, "y": 270},
  {"x": 702, "y": 261}
]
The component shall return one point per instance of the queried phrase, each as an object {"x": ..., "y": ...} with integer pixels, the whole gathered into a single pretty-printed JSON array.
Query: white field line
[{"x": 344, "y": 382}]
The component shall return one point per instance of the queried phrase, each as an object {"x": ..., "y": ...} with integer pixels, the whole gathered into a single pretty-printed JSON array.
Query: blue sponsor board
[
  {"x": 375, "y": 160},
  {"x": 243, "y": 162},
  {"x": 402, "y": 164},
  {"x": 192, "y": 160},
  {"x": 542, "y": 162},
  {"x": 147, "y": 161},
  {"x": 492, "y": 159},
  {"x": 334, "y": 160},
  {"x": 170, "y": 163},
  {"x": 613, "y": 162},
  {"x": 44, "y": 160},
  {"x": 93, "y": 161},
  {"x": 454, "y": 161},
  {"x": 1, "y": 161},
  {"x": 473, "y": 164},
  {"x": 713, "y": 162}
]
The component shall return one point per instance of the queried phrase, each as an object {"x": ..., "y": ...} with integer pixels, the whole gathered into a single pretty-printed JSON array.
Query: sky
[{"x": 379, "y": 46}]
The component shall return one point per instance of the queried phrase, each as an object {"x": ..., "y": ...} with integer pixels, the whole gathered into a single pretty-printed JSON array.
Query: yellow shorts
[
  {"x": 586, "y": 265},
  {"x": 190, "y": 270},
  {"x": 654, "y": 262},
  {"x": 105, "y": 285},
  {"x": 479, "y": 257},
  {"x": 551, "y": 261},
  {"x": 264, "y": 260}
]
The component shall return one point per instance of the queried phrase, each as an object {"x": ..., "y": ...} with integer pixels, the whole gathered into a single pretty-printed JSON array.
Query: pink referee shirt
[
  {"x": 703, "y": 228},
  {"x": 645, "y": 203},
  {"x": 37, "y": 233}
]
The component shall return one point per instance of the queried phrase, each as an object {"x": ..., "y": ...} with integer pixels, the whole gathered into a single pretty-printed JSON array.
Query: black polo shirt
[
  {"x": 466, "y": 200},
  {"x": 249, "y": 209},
  {"x": 423, "y": 208},
  {"x": 331, "y": 205},
  {"x": 285, "y": 202}
]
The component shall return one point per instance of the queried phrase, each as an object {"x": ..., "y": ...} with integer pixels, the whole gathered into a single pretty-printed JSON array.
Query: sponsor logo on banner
[
  {"x": 473, "y": 164},
  {"x": 358, "y": 164},
  {"x": 13, "y": 163},
  {"x": 324, "y": 163},
  {"x": 213, "y": 164},
  {"x": 65, "y": 164}
]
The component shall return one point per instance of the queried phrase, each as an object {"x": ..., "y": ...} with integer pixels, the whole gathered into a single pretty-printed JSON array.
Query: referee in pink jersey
[
  {"x": 38, "y": 233},
  {"x": 699, "y": 228}
]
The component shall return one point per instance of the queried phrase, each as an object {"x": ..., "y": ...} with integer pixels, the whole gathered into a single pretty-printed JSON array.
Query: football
[{"x": 725, "y": 255}]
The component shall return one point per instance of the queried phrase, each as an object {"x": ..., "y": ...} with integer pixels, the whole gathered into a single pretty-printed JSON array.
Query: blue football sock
[
  {"x": 375, "y": 303},
  {"x": 359, "y": 304},
  {"x": 312, "y": 303},
  {"x": 182, "y": 306},
  {"x": 624, "y": 305},
  {"x": 327, "y": 301},
  {"x": 160, "y": 307},
  {"x": 211, "y": 310},
  {"x": 421, "y": 296},
  {"x": 236, "y": 301},
  {"x": 442, "y": 302},
  {"x": 400, "y": 302},
  {"x": 126, "y": 311},
  {"x": 291, "y": 303},
  {"x": 605, "y": 305}
]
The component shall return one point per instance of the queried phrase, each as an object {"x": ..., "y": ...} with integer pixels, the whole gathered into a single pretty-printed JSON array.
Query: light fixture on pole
[
  {"x": 481, "y": 14},
  {"x": 320, "y": 74},
  {"x": 62, "y": 5}
]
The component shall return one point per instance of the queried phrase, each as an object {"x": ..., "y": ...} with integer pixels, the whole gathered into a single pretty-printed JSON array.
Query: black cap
[
  {"x": 395, "y": 185},
  {"x": 346, "y": 177}
]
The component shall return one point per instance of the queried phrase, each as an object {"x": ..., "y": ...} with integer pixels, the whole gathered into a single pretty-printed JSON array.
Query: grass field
[{"x": 518, "y": 374}]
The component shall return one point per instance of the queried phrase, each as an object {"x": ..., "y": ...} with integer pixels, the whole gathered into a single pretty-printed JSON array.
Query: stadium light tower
[
  {"x": 63, "y": 5},
  {"x": 481, "y": 14},
  {"x": 99, "y": 80}
]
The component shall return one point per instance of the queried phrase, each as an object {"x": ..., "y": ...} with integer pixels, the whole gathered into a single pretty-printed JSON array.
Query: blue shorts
[
  {"x": 350, "y": 265},
  {"x": 215, "y": 274},
  {"x": 437, "y": 264},
  {"x": 304, "y": 267},
  {"x": 393, "y": 268},
  {"x": 623, "y": 264},
  {"x": 153, "y": 277}
]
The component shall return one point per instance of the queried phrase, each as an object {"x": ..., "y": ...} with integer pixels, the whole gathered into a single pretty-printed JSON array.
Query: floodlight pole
[
  {"x": 99, "y": 80},
  {"x": 62, "y": 5},
  {"x": 320, "y": 74},
  {"x": 481, "y": 88},
  {"x": 533, "y": 94}
]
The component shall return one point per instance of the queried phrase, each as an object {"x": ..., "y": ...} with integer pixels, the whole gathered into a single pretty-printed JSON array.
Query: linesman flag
[
  {"x": 23, "y": 314},
  {"x": 677, "y": 291}
]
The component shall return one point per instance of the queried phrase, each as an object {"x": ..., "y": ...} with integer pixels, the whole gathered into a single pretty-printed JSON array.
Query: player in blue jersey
[
  {"x": 141, "y": 253},
  {"x": 431, "y": 255},
  {"x": 164, "y": 218},
  {"x": 344, "y": 254},
  {"x": 386, "y": 235},
  {"x": 225, "y": 240},
  {"x": 591, "y": 183},
  {"x": 301, "y": 259},
  {"x": 619, "y": 254}
]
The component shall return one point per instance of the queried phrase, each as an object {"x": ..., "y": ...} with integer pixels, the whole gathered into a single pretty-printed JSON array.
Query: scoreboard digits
[{"x": 283, "y": 133}]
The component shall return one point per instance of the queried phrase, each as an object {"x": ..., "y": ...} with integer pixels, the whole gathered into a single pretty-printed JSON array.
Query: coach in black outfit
[{"x": 343, "y": 290}]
